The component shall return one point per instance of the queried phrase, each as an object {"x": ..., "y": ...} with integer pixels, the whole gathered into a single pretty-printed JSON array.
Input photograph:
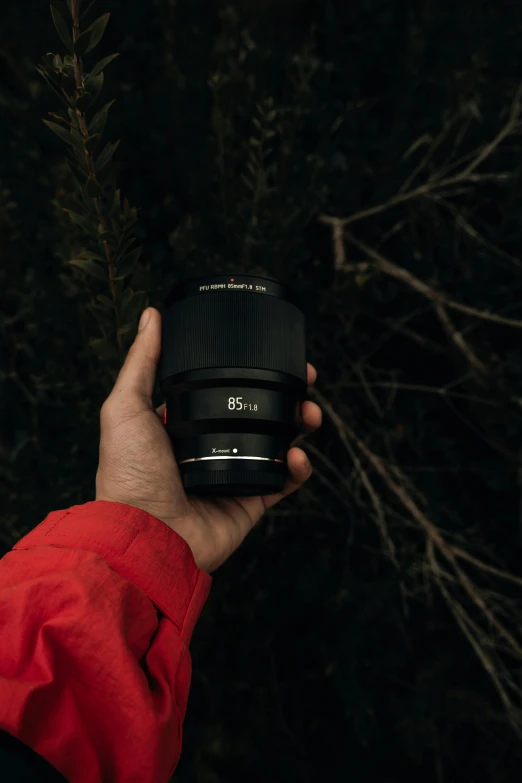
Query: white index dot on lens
[{"x": 235, "y": 451}]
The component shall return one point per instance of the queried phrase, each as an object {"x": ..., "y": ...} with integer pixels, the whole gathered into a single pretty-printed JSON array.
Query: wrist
[{"x": 185, "y": 527}]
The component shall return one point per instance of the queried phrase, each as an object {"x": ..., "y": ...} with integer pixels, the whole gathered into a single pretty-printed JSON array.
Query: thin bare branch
[
  {"x": 441, "y": 391},
  {"x": 480, "y": 564},
  {"x": 398, "y": 487},
  {"x": 467, "y": 174},
  {"x": 399, "y": 273},
  {"x": 429, "y": 155},
  {"x": 459, "y": 341},
  {"x": 472, "y": 232},
  {"x": 504, "y": 132}
]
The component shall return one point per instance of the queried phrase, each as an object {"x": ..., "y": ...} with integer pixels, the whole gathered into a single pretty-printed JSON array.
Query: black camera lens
[{"x": 233, "y": 375}]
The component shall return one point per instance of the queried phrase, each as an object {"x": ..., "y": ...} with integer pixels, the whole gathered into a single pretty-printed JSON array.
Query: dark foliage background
[{"x": 351, "y": 638}]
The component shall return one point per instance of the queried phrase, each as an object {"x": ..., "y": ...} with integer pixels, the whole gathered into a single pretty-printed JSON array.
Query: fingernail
[{"x": 145, "y": 318}]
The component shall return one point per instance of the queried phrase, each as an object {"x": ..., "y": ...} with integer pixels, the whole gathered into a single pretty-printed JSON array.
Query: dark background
[{"x": 343, "y": 641}]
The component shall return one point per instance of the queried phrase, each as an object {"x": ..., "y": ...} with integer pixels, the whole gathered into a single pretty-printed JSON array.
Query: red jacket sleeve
[{"x": 97, "y": 607}]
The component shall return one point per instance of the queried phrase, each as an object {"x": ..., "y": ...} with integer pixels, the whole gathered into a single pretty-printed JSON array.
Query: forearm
[{"x": 97, "y": 606}]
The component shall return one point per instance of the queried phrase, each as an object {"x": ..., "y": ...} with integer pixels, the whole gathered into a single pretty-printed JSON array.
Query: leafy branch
[
  {"x": 109, "y": 252},
  {"x": 259, "y": 169}
]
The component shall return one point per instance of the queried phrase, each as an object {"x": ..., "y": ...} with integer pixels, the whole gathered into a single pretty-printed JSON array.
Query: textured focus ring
[{"x": 209, "y": 331}]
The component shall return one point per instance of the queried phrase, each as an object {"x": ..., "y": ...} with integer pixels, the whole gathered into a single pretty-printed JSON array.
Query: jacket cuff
[{"x": 139, "y": 547}]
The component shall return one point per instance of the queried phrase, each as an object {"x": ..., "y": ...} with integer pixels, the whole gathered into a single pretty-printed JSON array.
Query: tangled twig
[
  {"x": 497, "y": 635},
  {"x": 438, "y": 182}
]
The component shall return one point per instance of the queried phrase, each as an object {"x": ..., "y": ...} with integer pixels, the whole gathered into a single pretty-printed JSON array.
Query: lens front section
[{"x": 233, "y": 373}]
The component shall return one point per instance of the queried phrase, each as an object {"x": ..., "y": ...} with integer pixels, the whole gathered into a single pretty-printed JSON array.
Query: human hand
[{"x": 137, "y": 464}]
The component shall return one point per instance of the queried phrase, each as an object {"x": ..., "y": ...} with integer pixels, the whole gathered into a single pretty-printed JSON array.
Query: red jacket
[{"x": 97, "y": 607}]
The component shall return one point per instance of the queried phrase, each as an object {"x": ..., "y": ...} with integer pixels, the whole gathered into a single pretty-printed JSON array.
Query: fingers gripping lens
[{"x": 233, "y": 375}]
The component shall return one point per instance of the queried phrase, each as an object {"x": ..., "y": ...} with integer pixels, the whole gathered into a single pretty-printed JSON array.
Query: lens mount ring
[{"x": 221, "y": 456}]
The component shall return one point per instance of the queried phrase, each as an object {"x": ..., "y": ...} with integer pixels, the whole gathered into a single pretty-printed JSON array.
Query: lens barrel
[{"x": 233, "y": 375}]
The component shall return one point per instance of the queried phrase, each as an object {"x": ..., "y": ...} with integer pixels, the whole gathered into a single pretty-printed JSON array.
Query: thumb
[{"x": 138, "y": 375}]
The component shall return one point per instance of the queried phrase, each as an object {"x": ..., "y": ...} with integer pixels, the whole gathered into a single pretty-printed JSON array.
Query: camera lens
[{"x": 233, "y": 375}]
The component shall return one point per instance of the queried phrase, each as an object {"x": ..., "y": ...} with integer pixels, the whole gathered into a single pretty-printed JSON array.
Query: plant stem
[{"x": 78, "y": 77}]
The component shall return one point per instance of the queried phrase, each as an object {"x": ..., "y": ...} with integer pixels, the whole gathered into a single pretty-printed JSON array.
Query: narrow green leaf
[
  {"x": 129, "y": 214},
  {"x": 78, "y": 176},
  {"x": 125, "y": 305},
  {"x": 86, "y": 202},
  {"x": 115, "y": 207},
  {"x": 244, "y": 178},
  {"x": 96, "y": 31},
  {"x": 127, "y": 296},
  {"x": 82, "y": 43},
  {"x": 106, "y": 155},
  {"x": 69, "y": 6},
  {"x": 62, "y": 133},
  {"x": 50, "y": 72},
  {"x": 89, "y": 267},
  {"x": 133, "y": 216},
  {"x": 80, "y": 161},
  {"x": 61, "y": 28},
  {"x": 94, "y": 86},
  {"x": 104, "y": 349},
  {"x": 94, "y": 256},
  {"x": 77, "y": 137},
  {"x": 103, "y": 233},
  {"x": 125, "y": 248},
  {"x": 73, "y": 117},
  {"x": 84, "y": 14},
  {"x": 102, "y": 315},
  {"x": 131, "y": 308},
  {"x": 71, "y": 286},
  {"x": 105, "y": 300},
  {"x": 98, "y": 68},
  {"x": 123, "y": 330},
  {"x": 92, "y": 143},
  {"x": 97, "y": 124},
  {"x": 88, "y": 225},
  {"x": 59, "y": 118},
  {"x": 94, "y": 189},
  {"x": 51, "y": 84},
  {"x": 127, "y": 265}
]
